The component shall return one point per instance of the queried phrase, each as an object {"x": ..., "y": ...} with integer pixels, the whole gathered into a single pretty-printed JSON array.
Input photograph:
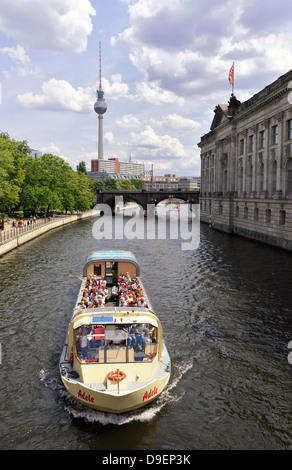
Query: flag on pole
[{"x": 231, "y": 75}]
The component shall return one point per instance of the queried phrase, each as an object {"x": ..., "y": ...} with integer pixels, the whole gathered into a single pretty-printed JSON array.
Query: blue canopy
[{"x": 111, "y": 255}]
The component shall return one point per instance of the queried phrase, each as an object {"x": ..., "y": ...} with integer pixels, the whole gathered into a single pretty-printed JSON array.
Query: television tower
[{"x": 100, "y": 108}]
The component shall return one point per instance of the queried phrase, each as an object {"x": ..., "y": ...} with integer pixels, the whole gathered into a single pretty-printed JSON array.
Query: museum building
[{"x": 246, "y": 166}]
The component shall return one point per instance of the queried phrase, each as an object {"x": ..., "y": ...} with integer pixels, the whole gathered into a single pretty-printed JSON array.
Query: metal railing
[{"x": 31, "y": 225}]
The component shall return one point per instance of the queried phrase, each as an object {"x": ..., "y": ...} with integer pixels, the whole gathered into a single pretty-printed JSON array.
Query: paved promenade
[{"x": 12, "y": 237}]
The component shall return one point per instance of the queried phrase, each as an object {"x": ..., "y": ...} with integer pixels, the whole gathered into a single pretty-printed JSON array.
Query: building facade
[
  {"x": 114, "y": 168},
  {"x": 160, "y": 182},
  {"x": 246, "y": 166}
]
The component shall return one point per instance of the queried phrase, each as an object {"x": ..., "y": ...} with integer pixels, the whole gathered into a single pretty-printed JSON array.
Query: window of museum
[
  {"x": 289, "y": 176},
  {"x": 260, "y": 178},
  {"x": 245, "y": 212},
  {"x": 251, "y": 143},
  {"x": 256, "y": 213},
  {"x": 220, "y": 208},
  {"x": 237, "y": 211},
  {"x": 282, "y": 217},
  {"x": 241, "y": 147},
  {"x": 273, "y": 177},
  {"x": 262, "y": 139},
  {"x": 289, "y": 126},
  {"x": 249, "y": 179},
  {"x": 268, "y": 215},
  {"x": 275, "y": 131}
]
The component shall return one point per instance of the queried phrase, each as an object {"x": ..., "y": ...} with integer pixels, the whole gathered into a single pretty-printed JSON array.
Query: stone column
[
  {"x": 266, "y": 156},
  {"x": 244, "y": 163},
  {"x": 254, "y": 162},
  {"x": 279, "y": 153},
  {"x": 233, "y": 156}
]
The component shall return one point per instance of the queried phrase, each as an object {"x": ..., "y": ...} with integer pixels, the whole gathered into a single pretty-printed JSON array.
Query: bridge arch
[{"x": 143, "y": 198}]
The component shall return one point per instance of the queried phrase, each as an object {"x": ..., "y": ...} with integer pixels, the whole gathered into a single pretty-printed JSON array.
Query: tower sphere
[{"x": 100, "y": 107}]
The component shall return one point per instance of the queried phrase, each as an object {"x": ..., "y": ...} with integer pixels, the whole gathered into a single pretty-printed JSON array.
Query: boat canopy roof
[{"x": 111, "y": 256}]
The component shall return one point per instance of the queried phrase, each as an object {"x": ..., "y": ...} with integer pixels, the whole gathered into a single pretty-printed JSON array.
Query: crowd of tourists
[{"x": 128, "y": 292}]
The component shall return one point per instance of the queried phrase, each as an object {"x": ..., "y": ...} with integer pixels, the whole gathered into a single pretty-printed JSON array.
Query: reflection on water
[{"x": 226, "y": 313}]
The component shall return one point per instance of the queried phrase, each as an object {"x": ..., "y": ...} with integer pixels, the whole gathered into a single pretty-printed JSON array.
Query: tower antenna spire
[
  {"x": 100, "y": 108},
  {"x": 100, "y": 65}
]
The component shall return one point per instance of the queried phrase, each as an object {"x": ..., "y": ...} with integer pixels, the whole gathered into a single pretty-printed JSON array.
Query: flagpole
[{"x": 233, "y": 81}]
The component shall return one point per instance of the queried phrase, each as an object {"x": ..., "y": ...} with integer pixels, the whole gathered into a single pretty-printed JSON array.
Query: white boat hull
[{"x": 114, "y": 397}]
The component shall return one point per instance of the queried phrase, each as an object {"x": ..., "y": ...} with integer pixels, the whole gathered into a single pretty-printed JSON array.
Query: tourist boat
[{"x": 114, "y": 358}]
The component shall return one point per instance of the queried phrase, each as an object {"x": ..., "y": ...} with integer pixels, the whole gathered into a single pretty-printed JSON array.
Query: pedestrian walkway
[
  {"x": 11, "y": 231},
  {"x": 13, "y": 237}
]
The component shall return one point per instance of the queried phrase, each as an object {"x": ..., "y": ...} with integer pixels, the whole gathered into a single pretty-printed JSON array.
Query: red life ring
[
  {"x": 71, "y": 357},
  {"x": 117, "y": 375}
]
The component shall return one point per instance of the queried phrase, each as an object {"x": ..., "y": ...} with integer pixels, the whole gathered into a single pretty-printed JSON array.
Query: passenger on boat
[
  {"x": 84, "y": 344},
  {"x": 136, "y": 338},
  {"x": 98, "y": 339},
  {"x": 117, "y": 337},
  {"x": 100, "y": 303}
]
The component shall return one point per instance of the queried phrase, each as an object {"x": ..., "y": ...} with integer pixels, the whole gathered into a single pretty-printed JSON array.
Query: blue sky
[{"x": 165, "y": 67}]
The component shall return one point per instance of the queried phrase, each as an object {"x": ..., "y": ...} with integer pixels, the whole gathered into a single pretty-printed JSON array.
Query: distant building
[
  {"x": 246, "y": 166},
  {"x": 35, "y": 153},
  {"x": 116, "y": 169},
  {"x": 160, "y": 182},
  {"x": 188, "y": 183},
  {"x": 131, "y": 169}
]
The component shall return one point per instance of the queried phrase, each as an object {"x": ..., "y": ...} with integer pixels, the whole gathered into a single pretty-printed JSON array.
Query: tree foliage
[
  {"x": 47, "y": 183},
  {"x": 12, "y": 157},
  {"x": 51, "y": 184},
  {"x": 81, "y": 168},
  {"x": 43, "y": 184}
]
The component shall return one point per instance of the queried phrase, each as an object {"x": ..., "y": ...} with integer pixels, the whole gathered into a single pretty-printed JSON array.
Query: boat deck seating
[
  {"x": 118, "y": 354},
  {"x": 94, "y": 293}
]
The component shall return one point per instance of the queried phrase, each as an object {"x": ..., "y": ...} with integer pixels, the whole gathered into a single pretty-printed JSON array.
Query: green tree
[
  {"x": 81, "y": 168},
  {"x": 83, "y": 192},
  {"x": 110, "y": 183},
  {"x": 125, "y": 184},
  {"x": 139, "y": 184},
  {"x": 51, "y": 184},
  {"x": 43, "y": 183},
  {"x": 12, "y": 173}
]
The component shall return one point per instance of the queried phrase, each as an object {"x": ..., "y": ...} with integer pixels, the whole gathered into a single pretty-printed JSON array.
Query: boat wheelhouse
[{"x": 114, "y": 358}]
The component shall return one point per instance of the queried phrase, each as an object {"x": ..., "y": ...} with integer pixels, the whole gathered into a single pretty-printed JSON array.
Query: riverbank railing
[{"x": 7, "y": 235}]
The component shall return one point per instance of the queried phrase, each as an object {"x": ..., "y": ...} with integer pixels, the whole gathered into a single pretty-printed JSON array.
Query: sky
[{"x": 164, "y": 67}]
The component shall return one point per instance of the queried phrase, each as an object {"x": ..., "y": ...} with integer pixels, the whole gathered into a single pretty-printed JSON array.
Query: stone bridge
[{"x": 143, "y": 197}]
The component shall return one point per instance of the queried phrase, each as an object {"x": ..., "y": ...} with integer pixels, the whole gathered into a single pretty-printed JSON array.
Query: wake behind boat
[{"x": 114, "y": 358}]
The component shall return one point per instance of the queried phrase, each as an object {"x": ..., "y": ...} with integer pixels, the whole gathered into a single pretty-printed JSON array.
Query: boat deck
[
  {"x": 114, "y": 300},
  {"x": 126, "y": 385}
]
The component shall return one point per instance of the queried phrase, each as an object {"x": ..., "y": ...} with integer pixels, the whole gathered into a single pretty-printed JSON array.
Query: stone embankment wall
[{"x": 15, "y": 237}]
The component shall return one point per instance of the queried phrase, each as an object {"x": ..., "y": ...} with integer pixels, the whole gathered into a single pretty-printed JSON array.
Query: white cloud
[
  {"x": 156, "y": 145},
  {"x": 154, "y": 94},
  {"x": 176, "y": 122},
  {"x": 188, "y": 47},
  {"x": 55, "y": 25},
  {"x": 115, "y": 90},
  {"x": 128, "y": 121},
  {"x": 59, "y": 95},
  {"x": 109, "y": 137},
  {"x": 17, "y": 54},
  {"x": 51, "y": 148},
  {"x": 23, "y": 65}
]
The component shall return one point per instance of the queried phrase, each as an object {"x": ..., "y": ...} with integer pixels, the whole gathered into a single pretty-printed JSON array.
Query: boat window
[
  {"x": 116, "y": 344},
  {"x": 97, "y": 269}
]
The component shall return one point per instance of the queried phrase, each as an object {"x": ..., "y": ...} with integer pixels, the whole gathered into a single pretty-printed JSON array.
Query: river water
[{"x": 226, "y": 312}]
